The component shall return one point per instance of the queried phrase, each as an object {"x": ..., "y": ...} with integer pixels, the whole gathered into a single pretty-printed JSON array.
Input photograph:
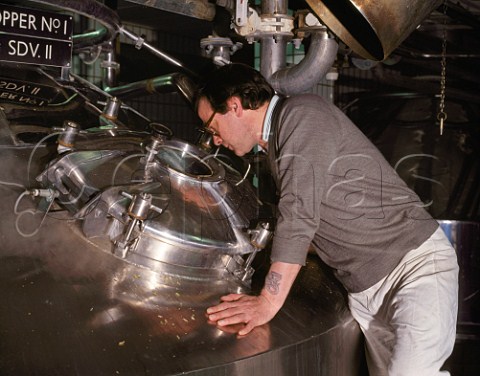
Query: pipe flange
[
  {"x": 215, "y": 41},
  {"x": 265, "y": 25},
  {"x": 219, "y": 49},
  {"x": 276, "y": 24}
]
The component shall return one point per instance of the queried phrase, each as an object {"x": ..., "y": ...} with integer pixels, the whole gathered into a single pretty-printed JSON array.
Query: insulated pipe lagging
[{"x": 316, "y": 63}]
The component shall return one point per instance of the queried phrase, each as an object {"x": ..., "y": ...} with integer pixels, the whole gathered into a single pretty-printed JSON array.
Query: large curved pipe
[{"x": 318, "y": 60}]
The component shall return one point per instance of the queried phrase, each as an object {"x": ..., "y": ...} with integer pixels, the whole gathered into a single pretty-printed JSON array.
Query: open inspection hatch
[{"x": 181, "y": 207}]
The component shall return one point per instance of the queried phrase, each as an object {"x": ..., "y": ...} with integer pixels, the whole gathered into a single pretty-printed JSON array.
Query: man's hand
[
  {"x": 242, "y": 309},
  {"x": 256, "y": 310}
]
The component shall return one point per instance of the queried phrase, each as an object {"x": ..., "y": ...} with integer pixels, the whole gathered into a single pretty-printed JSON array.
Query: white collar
[{"x": 267, "y": 123}]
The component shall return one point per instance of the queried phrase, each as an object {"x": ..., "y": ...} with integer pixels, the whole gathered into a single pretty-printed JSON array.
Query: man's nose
[{"x": 217, "y": 140}]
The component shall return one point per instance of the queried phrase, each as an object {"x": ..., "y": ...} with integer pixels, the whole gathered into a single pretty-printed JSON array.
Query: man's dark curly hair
[{"x": 231, "y": 80}]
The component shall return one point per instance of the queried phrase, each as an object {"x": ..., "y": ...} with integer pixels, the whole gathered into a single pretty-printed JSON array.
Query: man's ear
[{"x": 235, "y": 105}]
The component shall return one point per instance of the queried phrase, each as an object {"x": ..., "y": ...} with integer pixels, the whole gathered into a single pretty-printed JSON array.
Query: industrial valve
[
  {"x": 48, "y": 193},
  {"x": 260, "y": 237},
  {"x": 160, "y": 133},
  {"x": 110, "y": 112},
  {"x": 149, "y": 160},
  {"x": 219, "y": 49},
  {"x": 138, "y": 210},
  {"x": 265, "y": 25},
  {"x": 66, "y": 140}
]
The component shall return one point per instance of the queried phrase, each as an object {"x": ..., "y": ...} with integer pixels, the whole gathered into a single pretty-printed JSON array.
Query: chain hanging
[{"x": 442, "y": 115}]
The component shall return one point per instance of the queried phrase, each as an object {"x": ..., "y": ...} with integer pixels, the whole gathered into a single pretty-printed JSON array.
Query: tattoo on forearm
[{"x": 272, "y": 282}]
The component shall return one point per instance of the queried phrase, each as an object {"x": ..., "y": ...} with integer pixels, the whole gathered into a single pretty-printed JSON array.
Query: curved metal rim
[{"x": 217, "y": 170}]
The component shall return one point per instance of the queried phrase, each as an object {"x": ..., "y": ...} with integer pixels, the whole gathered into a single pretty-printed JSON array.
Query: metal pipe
[
  {"x": 459, "y": 13},
  {"x": 318, "y": 60},
  {"x": 411, "y": 83},
  {"x": 274, "y": 7},
  {"x": 81, "y": 41},
  {"x": 273, "y": 47},
  {"x": 140, "y": 42},
  {"x": 272, "y": 55},
  {"x": 174, "y": 82},
  {"x": 110, "y": 66},
  {"x": 300, "y": 77}
]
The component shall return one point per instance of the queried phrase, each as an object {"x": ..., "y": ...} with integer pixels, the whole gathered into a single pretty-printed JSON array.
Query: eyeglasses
[{"x": 206, "y": 126}]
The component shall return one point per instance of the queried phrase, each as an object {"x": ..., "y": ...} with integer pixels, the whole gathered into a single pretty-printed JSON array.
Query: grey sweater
[{"x": 339, "y": 194}]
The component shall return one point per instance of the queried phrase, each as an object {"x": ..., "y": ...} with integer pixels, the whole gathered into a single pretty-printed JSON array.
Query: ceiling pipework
[{"x": 273, "y": 28}]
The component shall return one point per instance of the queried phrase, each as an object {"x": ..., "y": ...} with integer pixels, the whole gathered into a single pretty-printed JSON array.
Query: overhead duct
[
  {"x": 372, "y": 29},
  {"x": 316, "y": 63},
  {"x": 301, "y": 77}
]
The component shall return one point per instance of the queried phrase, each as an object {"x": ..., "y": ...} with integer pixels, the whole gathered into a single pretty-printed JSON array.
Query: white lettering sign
[
  {"x": 17, "y": 20},
  {"x": 36, "y": 23},
  {"x": 35, "y": 50}
]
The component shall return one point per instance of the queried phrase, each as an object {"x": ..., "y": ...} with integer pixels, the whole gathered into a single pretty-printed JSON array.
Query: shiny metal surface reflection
[
  {"x": 114, "y": 241},
  {"x": 158, "y": 201},
  {"x": 74, "y": 308}
]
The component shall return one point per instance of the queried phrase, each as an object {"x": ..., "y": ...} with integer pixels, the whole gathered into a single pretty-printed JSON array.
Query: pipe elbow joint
[{"x": 316, "y": 63}]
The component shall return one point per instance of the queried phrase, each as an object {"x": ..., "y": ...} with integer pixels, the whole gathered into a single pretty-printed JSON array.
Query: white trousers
[{"x": 409, "y": 317}]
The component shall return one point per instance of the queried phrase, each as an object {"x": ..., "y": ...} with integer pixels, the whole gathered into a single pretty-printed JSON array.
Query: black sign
[
  {"x": 35, "y": 50},
  {"x": 33, "y": 22},
  {"x": 35, "y": 37}
]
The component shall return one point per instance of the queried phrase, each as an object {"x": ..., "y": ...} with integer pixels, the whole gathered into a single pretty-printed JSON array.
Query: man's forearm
[{"x": 278, "y": 282}]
